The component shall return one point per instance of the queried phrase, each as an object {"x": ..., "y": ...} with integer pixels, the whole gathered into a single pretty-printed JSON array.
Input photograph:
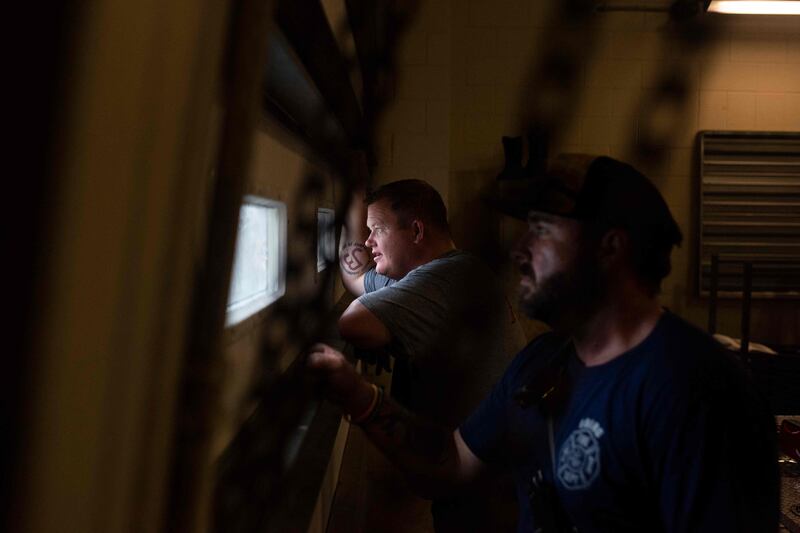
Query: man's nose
[{"x": 520, "y": 252}]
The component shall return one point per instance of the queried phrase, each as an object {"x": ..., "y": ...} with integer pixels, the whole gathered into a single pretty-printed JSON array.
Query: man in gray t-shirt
[{"x": 437, "y": 309}]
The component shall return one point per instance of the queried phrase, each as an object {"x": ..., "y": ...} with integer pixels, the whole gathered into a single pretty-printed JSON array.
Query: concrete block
[
  {"x": 628, "y": 44},
  {"x": 595, "y": 102},
  {"x": 654, "y": 71},
  {"x": 478, "y": 13},
  {"x": 384, "y": 148},
  {"x": 792, "y": 79},
  {"x": 487, "y": 130},
  {"x": 474, "y": 101},
  {"x": 437, "y": 151},
  {"x": 655, "y": 21},
  {"x": 424, "y": 81},
  {"x": 571, "y": 134},
  {"x": 713, "y": 111},
  {"x": 775, "y": 77},
  {"x": 409, "y": 150},
  {"x": 614, "y": 74},
  {"x": 413, "y": 82},
  {"x": 484, "y": 71},
  {"x": 686, "y": 132},
  {"x": 406, "y": 116},
  {"x": 681, "y": 161},
  {"x": 437, "y": 118},
  {"x": 793, "y": 50},
  {"x": 509, "y": 13},
  {"x": 439, "y": 49},
  {"x": 621, "y": 152},
  {"x": 413, "y": 48},
  {"x": 433, "y": 16},
  {"x": 717, "y": 50},
  {"x": 398, "y": 172},
  {"x": 513, "y": 71},
  {"x": 487, "y": 156},
  {"x": 476, "y": 43},
  {"x": 792, "y": 102},
  {"x": 607, "y": 130},
  {"x": 440, "y": 179},
  {"x": 619, "y": 20},
  {"x": 727, "y": 76},
  {"x": 770, "y": 112},
  {"x": 762, "y": 48},
  {"x": 741, "y": 111},
  {"x": 422, "y": 151},
  {"x": 625, "y": 102},
  {"x": 602, "y": 46},
  {"x": 595, "y": 149},
  {"x": 596, "y": 130},
  {"x": 472, "y": 156},
  {"x": 541, "y": 14},
  {"x": 513, "y": 42}
]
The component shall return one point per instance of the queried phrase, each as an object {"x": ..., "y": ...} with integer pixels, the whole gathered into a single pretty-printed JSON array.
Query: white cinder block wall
[
  {"x": 463, "y": 71},
  {"x": 414, "y": 134}
]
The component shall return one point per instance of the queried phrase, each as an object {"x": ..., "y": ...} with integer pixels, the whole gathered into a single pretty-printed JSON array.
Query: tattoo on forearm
[
  {"x": 402, "y": 431},
  {"x": 354, "y": 258}
]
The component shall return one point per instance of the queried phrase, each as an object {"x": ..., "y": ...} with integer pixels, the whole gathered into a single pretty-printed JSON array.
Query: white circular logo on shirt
[{"x": 579, "y": 456}]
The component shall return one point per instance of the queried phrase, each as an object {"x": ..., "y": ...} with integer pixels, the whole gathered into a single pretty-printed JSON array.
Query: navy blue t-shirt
[{"x": 669, "y": 436}]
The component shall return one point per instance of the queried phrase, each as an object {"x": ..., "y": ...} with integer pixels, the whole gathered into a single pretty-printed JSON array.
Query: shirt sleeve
[
  {"x": 485, "y": 430},
  {"x": 374, "y": 281},
  {"x": 414, "y": 309}
]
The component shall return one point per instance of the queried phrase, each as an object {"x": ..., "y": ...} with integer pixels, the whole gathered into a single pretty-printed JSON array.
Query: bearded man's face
[{"x": 561, "y": 281}]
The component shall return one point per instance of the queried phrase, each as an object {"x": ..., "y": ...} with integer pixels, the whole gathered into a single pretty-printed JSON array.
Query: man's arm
[
  {"x": 363, "y": 329},
  {"x": 355, "y": 259},
  {"x": 436, "y": 460}
]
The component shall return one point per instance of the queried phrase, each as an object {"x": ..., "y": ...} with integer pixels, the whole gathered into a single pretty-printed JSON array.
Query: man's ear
[
  {"x": 613, "y": 246},
  {"x": 418, "y": 230}
]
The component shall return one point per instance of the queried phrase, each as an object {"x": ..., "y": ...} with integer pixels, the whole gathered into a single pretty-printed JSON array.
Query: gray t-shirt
[{"x": 449, "y": 318}]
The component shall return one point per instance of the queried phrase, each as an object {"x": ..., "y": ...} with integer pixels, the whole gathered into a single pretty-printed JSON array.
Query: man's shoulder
[
  {"x": 688, "y": 361},
  {"x": 458, "y": 266},
  {"x": 685, "y": 344},
  {"x": 454, "y": 259},
  {"x": 455, "y": 268},
  {"x": 538, "y": 353}
]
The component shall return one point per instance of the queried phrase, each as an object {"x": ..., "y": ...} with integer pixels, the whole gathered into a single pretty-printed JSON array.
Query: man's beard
[{"x": 567, "y": 298}]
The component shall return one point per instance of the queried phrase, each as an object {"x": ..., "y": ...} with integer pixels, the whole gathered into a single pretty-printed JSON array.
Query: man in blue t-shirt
[{"x": 625, "y": 417}]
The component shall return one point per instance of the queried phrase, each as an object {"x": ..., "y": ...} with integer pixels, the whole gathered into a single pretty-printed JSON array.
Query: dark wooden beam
[{"x": 306, "y": 28}]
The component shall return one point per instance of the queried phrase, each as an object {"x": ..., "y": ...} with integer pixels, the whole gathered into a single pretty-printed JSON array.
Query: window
[
  {"x": 750, "y": 211},
  {"x": 259, "y": 268},
  {"x": 326, "y": 239}
]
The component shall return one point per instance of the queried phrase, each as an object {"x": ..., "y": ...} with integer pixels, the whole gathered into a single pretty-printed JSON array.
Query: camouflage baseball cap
[{"x": 591, "y": 188}]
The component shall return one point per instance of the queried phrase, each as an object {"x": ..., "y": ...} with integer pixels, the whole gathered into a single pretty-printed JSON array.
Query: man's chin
[
  {"x": 383, "y": 271},
  {"x": 536, "y": 309}
]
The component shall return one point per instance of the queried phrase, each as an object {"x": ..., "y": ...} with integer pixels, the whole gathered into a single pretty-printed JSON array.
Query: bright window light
[
  {"x": 326, "y": 238},
  {"x": 756, "y": 7},
  {"x": 259, "y": 267}
]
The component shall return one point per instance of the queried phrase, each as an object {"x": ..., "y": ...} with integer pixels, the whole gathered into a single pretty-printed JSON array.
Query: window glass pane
[
  {"x": 252, "y": 254},
  {"x": 258, "y": 274},
  {"x": 326, "y": 238}
]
